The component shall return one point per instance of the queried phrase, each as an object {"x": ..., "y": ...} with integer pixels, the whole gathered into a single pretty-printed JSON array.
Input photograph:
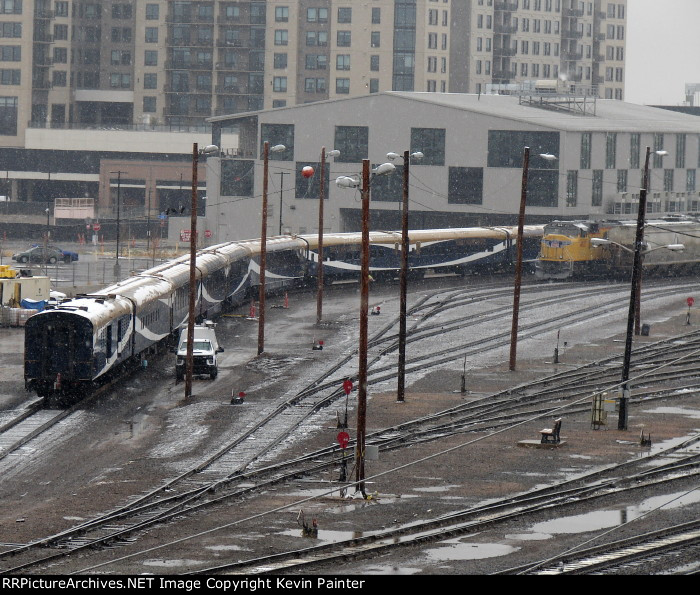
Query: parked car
[
  {"x": 68, "y": 255},
  {"x": 40, "y": 255}
]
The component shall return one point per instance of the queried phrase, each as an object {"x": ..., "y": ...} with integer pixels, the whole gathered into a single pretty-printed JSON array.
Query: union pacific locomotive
[
  {"x": 578, "y": 249},
  {"x": 73, "y": 345}
]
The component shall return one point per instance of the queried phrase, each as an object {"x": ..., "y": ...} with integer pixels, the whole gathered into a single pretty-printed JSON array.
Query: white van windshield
[{"x": 197, "y": 345}]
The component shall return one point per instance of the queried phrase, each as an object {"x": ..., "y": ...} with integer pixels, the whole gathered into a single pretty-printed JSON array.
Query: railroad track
[{"x": 227, "y": 468}]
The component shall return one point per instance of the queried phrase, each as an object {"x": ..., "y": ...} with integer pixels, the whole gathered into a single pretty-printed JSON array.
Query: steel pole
[
  {"x": 401, "y": 389},
  {"x": 319, "y": 272},
  {"x": 193, "y": 262},
  {"x": 263, "y": 252},
  {"x": 636, "y": 281},
  {"x": 519, "y": 261},
  {"x": 364, "y": 306}
]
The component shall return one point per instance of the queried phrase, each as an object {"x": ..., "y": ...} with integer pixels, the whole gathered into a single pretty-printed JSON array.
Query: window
[
  {"x": 280, "y": 61},
  {"x": 316, "y": 38},
  {"x": 634, "y": 150},
  {"x": 10, "y": 53},
  {"x": 282, "y": 14},
  {"x": 374, "y": 85},
  {"x": 680, "y": 151},
  {"x": 315, "y": 85},
  {"x": 376, "y": 16},
  {"x": 152, "y": 12},
  {"x": 597, "y": 188},
  {"x": 60, "y": 55},
  {"x": 375, "y": 39},
  {"x": 345, "y": 15},
  {"x": 668, "y": 180},
  {"x": 342, "y": 86},
  {"x": 430, "y": 142},
  {"x": 8, "y": 115},
  {"x": 374, "y": 63},
  {"x": 432, "y": 41},
  {"x": 342, "y": 62},
  {"x": 586, "y": 139},
  {"x": 658, "y": 146},
  {"x": 352, "y": 142},
  {"x": 151, "y": 34},
  {"x": 150, "y": 80},
  {"x": 60, "y": 32},
  {"x": 12, "y": 76},
  {"x": 119, "y": 11},
  {"x": 690, "y": 180},
  {"x": 281, "y": 37},
  {"x": 279, "y": 84},
  {"x": 61, "y": 9},
  {"x": 120, "y": 80},
  {"x": 610, "y": 150},
  {"x": 343, "y": 38},
  {"x": 465, "y": 185},
  {"x": 10, "y": 7},
  {"x": 149, "y": 104},
  {"x": 278, "y": 134},
  {"x": 316, "y": 61},
  {"x": 11, "y": 30},
  {"x": 571, "y": 187},
  {"x": 622, "y": 180}
]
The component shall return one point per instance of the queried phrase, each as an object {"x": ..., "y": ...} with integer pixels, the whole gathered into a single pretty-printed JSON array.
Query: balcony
[
  {"x": 505, "y": 6},
  {"x": 230, "y": 90},
  {"x": 504, "y": 29},
  {"x": 570, "y": 34},
  {"x": 571, "y": 12},
  {"x": 504, "y": 52}
]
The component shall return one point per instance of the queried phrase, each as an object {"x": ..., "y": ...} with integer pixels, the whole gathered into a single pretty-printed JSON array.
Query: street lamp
[
  {"x": 403, "y": 281},
  {"x": 350, "y": 182},
  {"x": 117, "y": 270},
  {"x": 263, "y": 243},
  {"x": 321, "y": 197},
  {"x": 519, "y": 253},
  {"x": 196, "y": 152}
]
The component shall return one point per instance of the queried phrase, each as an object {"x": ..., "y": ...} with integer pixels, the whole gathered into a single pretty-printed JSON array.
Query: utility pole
[
  {"x": 189, "y": 364},
  {"x": 364, "y": 306},
  {"x": 519, "y": 261},
  {"x": 319, "y": 268},
  {"x": 401, "y": 387},
  {"x": 263, "y": 252}
]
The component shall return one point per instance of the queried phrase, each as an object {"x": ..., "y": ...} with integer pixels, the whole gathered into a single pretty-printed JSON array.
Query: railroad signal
[
  {"x": 343, "y": 439},
  {"x": 690, "y": 301},
  {"x": 347, "y": 386},
  {"x": 307, "y": 171}
]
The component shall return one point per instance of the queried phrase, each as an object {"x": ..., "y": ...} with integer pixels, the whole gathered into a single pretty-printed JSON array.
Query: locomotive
[
  {"x": 580, "y": 249},
  {"x": 75, "y": 344}
]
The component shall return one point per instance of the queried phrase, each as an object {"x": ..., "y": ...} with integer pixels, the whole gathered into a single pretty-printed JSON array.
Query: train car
[
  {"x": 71, "y": 346},
  {"x": 461, "y": 251},
  {"x": 581, "y": 249}
]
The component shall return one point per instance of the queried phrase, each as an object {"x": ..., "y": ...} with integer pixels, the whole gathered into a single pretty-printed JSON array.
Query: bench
[{"x": 551, "y": 435}]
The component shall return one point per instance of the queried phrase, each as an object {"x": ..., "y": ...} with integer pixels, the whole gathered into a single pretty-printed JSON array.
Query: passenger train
[
  {"x": 579, "y": 249},
  {"x": 71, "y": 346}
]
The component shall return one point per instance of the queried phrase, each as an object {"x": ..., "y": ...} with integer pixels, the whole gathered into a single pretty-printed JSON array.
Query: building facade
[
  {"x": 471, "y": 171},
  {"x": 175, "y": 63}
]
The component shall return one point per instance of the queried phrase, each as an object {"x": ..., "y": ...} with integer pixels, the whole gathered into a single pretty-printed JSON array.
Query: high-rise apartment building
[{"x": 83, "y": 63}]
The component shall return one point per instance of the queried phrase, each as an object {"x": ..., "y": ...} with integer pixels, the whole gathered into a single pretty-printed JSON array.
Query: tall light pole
[
  {"x": 403, "y": 277},
  {"x": 348, "y": 182},
  {"x": 263, "y": 244},
  {"x": 321, "y": 198},
  {"x": 189, "y": 364},
  {"x": 519, "y": 254}
]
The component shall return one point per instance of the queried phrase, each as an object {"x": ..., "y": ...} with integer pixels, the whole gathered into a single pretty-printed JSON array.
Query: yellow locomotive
[{"x": 577, "y": 249}]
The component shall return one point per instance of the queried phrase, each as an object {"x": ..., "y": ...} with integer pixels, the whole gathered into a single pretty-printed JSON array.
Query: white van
[{"x": 204, "y": 350}]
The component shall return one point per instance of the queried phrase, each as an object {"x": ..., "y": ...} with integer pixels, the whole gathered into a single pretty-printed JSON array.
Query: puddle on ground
[
  {"x": 456, "y": 549},
  {"x": 604, "y": 519}
]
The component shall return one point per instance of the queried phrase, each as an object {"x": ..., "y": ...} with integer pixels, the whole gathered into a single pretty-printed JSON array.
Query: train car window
[{"x": 109, "y": 341}]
